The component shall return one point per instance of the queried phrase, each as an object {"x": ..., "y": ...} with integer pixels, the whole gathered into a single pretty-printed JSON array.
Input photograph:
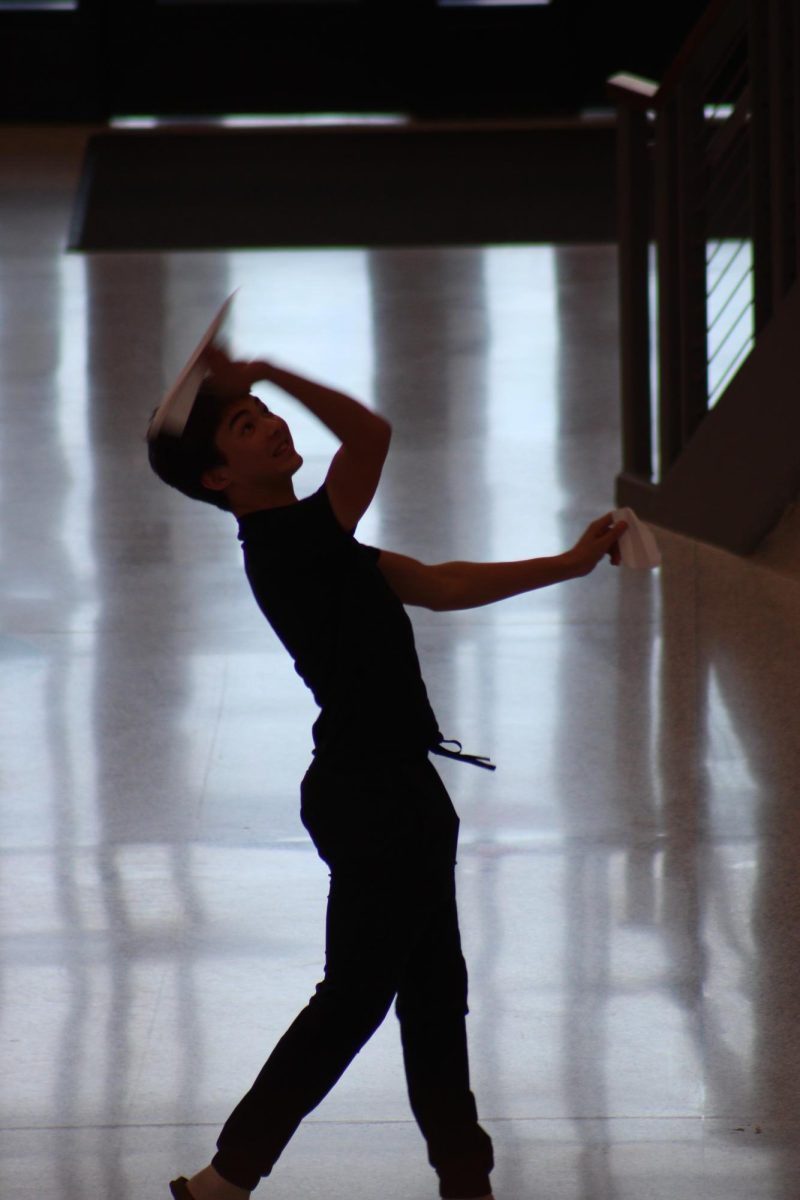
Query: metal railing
[{"x": 708, "y": 175}]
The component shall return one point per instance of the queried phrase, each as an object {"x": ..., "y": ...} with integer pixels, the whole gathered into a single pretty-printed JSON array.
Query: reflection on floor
[{"x": 629, "y": 889}]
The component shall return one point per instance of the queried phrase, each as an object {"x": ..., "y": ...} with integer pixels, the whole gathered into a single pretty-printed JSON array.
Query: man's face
[{"x": 256, "y": 444}]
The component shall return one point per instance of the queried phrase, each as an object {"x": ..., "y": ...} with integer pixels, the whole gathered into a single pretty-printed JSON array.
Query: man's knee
[
  {"x": 428, "y": 1005},
  {"x": 357, "y": 1005}
]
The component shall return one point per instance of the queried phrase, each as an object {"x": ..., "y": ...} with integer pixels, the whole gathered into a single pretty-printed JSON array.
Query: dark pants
[{"x": 388, "y": 831}]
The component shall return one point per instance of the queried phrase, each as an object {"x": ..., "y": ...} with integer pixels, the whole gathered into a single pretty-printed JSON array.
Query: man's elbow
[
  {"x": 442, "y": 590},
  {"x": 382, "y": 433}
]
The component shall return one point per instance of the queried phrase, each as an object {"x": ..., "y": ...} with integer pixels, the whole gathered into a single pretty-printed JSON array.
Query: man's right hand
[
  {"x": 229, "y": 378},
  {"x": 599, "y": 539}
]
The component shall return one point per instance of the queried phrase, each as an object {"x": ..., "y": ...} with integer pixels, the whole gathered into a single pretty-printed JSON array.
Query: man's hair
[{"x": 182, "y": 461}]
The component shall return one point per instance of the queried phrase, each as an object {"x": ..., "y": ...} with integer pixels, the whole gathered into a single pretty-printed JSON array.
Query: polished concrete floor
[{"x": 629, "y": 887}]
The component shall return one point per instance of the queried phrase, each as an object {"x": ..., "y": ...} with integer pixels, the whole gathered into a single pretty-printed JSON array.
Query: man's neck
[{"x": 257, "y": 501}]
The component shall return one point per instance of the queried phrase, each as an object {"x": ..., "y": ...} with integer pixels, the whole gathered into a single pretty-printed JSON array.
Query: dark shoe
[{"x": 180, "y": 1189}]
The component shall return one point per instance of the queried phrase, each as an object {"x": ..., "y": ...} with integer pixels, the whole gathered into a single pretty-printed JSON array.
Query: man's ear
[{"x": 216, "y": 479}]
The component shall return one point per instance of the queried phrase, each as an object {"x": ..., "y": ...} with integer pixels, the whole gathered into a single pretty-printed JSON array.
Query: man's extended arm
[{"x": 444, "y": 587}]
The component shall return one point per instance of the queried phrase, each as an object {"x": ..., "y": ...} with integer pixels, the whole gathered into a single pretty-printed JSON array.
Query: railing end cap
[{"x": 632, "y": 90}]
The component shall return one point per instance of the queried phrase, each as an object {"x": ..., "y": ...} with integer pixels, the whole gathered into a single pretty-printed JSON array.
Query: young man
[{"x": 372, "y": 802}]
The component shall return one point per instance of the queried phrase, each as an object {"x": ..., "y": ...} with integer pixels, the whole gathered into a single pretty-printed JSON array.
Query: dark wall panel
[{"x": 190, "y": 59}]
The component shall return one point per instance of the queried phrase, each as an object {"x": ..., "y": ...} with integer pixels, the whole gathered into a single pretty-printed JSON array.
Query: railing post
[
  {"x": 758, "y": 41},
  {"x": 690, "y": 195},
  {"x": 670, "y": 385},
  {"x": 782, "y": 163},
  {"x": 795, "y": 159},
  {"x": 633, "y": 216}
]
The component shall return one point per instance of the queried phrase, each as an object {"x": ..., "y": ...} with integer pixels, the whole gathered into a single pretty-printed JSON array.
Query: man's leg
[
  {"x": 347, "y": 1008},
  {"x": 431, "y": 1007},
  {"x": 377, "y": 846}
]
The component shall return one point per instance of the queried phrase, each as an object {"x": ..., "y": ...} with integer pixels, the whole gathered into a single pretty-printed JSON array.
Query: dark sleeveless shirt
[{"x": 348, "y": 633}]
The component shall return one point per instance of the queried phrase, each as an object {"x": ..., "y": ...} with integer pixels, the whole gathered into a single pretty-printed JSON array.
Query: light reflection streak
[
  {"x": 522, "y": 398},
  {"x": 311, "y": 313}
]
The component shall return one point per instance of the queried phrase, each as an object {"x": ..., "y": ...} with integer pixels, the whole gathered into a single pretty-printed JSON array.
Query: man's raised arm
[{"x": 356, "y": 467}]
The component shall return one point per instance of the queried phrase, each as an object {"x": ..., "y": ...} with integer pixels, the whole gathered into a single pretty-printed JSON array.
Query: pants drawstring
[{"x": 475, "y": 760}]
